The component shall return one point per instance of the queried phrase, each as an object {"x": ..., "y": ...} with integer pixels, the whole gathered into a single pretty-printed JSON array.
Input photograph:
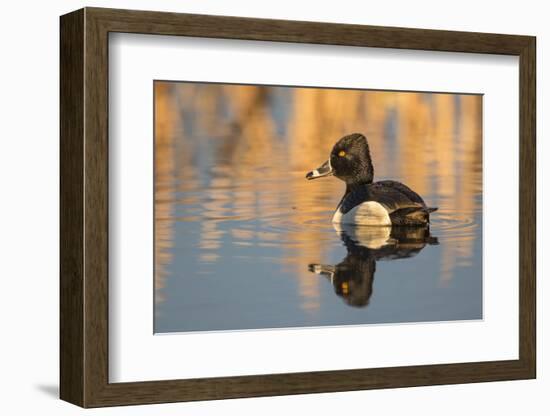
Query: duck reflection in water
[{"x": 353, "y": 277}]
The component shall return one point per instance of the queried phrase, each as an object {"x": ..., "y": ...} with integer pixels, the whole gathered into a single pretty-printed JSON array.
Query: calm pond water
[{"x": 244, "y": 241}]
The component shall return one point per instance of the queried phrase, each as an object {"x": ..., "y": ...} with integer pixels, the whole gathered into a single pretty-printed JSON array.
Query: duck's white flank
[
  {"x": 369, "y": 237},
  {"x": 367, "y": 213}
]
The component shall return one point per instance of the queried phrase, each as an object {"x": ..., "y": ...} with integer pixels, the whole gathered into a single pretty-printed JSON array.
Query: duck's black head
[
  {"x": 352, "y": 278},
  {"x": 349, "y": 161}
]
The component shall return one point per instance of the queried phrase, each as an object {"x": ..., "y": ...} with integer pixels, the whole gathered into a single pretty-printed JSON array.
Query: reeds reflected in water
[{"x": 229, "y": 176}]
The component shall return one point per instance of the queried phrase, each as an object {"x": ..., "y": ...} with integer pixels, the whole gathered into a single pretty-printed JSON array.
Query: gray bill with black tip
[{"x": 324, "y": 170}]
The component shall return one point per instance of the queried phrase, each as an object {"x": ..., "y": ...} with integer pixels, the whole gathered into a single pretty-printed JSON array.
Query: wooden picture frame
[{"x": 84, "y": 207}]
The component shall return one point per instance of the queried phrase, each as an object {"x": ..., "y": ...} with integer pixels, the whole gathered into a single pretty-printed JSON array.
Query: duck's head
[
  {"x": 349, "y": 161},
  {"x": 352, "y": 278}
]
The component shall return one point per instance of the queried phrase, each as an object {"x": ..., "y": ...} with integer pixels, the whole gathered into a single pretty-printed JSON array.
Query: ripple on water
[
  {"x": 276, "y": 220},
  {"x": 454, "y": 225}
]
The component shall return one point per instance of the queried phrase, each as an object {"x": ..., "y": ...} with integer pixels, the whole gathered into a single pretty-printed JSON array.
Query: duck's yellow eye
[
  {"x": 345, "y": 288},
  {"x": 341, "y": 153}
]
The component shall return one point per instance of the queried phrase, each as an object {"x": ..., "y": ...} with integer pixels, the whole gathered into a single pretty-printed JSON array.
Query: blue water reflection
[{"x": 243, "y": 241}]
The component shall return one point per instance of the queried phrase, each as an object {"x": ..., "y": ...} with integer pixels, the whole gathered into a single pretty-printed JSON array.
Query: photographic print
[{"x": 295, "y": 207}]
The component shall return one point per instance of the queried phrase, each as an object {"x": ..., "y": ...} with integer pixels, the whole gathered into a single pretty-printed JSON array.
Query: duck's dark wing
[
  {"x": 391, "y": 194},
  {"x": 394, "y": 196},
  {"x": 404, "y": 206}
]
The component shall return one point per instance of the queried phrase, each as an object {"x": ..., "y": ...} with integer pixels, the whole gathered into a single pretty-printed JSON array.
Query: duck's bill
[
  {"x": 323, "y": 170},
  {"x": 326, "y": 269}
]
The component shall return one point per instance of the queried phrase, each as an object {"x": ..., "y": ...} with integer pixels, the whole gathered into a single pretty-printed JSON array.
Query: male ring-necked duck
[
  {"x": 352, "y": 278},
  {"x": 365, "y": 202}
]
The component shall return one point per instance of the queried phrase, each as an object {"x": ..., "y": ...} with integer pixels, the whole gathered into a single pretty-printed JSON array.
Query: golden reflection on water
[
  {"x": 166, "y": 121},
  {"x": 243, "y": 152}
]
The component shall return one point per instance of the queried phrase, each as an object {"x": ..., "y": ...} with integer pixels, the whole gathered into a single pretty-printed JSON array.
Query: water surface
[{"x": 243, "y": 241}]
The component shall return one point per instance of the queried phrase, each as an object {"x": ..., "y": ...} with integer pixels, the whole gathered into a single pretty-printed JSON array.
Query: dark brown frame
[{"x": 84, "y": 207}]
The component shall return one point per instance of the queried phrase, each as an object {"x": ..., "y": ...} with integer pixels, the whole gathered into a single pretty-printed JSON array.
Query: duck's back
[{"x": 382, "y": 203}]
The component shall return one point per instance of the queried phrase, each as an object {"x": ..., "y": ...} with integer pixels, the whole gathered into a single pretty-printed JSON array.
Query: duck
[
  {"x": 352, "y": 278},
  {"x": 384, "y": 203}
]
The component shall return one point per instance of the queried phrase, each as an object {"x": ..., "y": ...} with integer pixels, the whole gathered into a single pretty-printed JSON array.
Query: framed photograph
[{"x": 254, "y": 207}]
